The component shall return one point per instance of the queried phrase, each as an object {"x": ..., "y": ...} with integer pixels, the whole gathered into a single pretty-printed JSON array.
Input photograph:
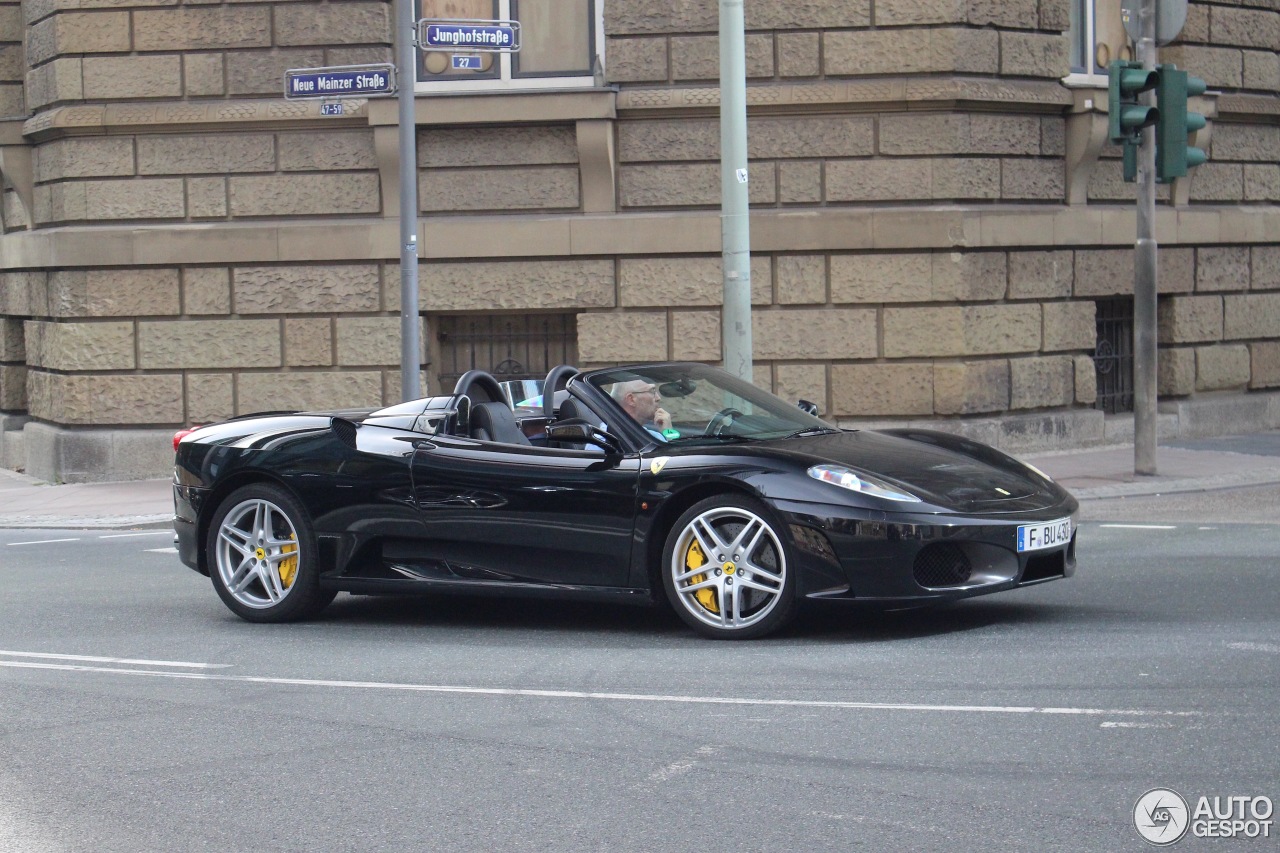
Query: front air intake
[{"x": 942, "y": 564}]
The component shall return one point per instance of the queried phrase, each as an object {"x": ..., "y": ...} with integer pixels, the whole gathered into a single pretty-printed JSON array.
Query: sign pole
[
  {"x": 1145, "y": 371},
  {"x": 410, "y": 322}
]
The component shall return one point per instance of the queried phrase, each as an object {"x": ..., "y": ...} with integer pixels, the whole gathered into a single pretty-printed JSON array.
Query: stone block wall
[
  {"x": 499, "y": 169},
  {"x": 12, "y": 63},
  {"x": 170, "y": 346}
]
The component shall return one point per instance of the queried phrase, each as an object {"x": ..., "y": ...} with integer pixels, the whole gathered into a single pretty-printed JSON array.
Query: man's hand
[{"x": 662, "y": 419}]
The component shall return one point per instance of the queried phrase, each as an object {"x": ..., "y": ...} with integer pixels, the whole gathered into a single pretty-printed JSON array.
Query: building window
[
  {"x": 510, "y": 346},
  {"x": 1097, "y": 36},
  {"x": 1113, "y": 355},
  {"x": 560, "y": 46}
]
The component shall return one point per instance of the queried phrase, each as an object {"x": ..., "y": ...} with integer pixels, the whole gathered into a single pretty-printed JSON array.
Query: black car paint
[{"x": 398, "y": 510}]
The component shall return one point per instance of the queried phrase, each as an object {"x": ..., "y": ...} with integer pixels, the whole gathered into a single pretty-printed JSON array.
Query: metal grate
[
  {"x": 1113, "y": 357},
  {"x": 510, "y": 346},
  {"x": 942, "y": 564}
]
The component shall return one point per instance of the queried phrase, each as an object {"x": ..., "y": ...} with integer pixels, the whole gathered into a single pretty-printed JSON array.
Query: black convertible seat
[{"x": 496, "y": 422}]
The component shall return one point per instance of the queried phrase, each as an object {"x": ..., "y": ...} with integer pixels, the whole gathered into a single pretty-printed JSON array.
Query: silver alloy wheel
[
  {"x": 257, "y": 553},
  {"x": 729, "y": 568}
]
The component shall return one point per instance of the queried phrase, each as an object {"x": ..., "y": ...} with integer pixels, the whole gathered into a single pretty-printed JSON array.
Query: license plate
[{"x": 1046, "y": 534}]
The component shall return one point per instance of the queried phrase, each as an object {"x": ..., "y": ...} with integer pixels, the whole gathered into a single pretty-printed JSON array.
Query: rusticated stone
[
  {"x": 113, "y": 293},
  {"x": 1222, "y": 268},
  {"x": 835, "y": 333},
  {"x": 131, "y": 77},
  {"x": 201, "y": 28},
  {"x": 534, "y": 188},
  {"x": 1037, "y": 383},
  {"x": 149, "y": 198},
  {"x": 665, "y": 281},
  {"x": 1222, "y": 366},
  {"x": 1086, "y": 380},
  {"x": 307, "y": 391},
  {"x": 13, "y": 387},
  {"x": 798, "y": 55},
  {"x": 807, "y": 14},
  {"x": 1036, "y": 180},
  {"x": 694, "y": 184},
  {"x": 959, "y": 133},
  {"x": 1264, "y": 364},
  {"x": 341, "y": 23},
  {"x": 970, "y": 276},
  {"x": 84, "y": 157},
  {"x": 1002, "y": 13},
  {"x": 59, "y": 80},
  {"x": 210, "y": 397},
  {"x": 968, "y": 330},
  {"x": 256, "y": 72},
  {"x": 80, "y": 400},
  {"x": 458, "y": 147},
  {"x": 306, "y": 289},
  {"x": 1253, "y": 315},
  {"x": 800, "y": 181},
  {"x": 206, "y": 290},
  {"x": 207, "y": 198},
  {"x": 695, "y": 335},
  {"x": 12, "y": 341},
  {"x": 1245, "y": 27},
  {"x": 912, "y": 51},
  {"x": 637, "y": 60},
  {"x": 314, "y": 151},
  {"x": 78, "y": 32},
  {"x": 618, "y": 337},
  {"x": 961, "y": 179},
  {"x": 80, "y": 346},
  {"x": 698, "y": 57},
  {"x": 970, "y": 387},
  {"x": 1035, "y": 55},
  {"x": 368, "y": 341},
  {"x": 517, "y": 285},
  {"x": 693, "y": 16},
  {"x": 1218, "y": 182},
  {"x": 1262, "y": 70},
  {"x": 204, "y": 77},
  {"x": 1261, "y": 182},
  {"x": 795, "y": 382},
  {"x": 12, "y": 66},
  {"x": 1219, "y": 67},
  {"x": 1190, "y": 319},
  {"x": 998, "y": 329},
  {"x": 809, "y": 137},
  {"x": 669, "y": 139},
  {"x": 1266, "y": 267},
  {"x": 879, "y": 180},
  {"x": 216, "y": 153},
  {"x": 881, "y": 390},
  {"x": 308, "y": 341},
  {"x": 1196, "y": 28},
  {"x": 878, "y": 278},
  {"x": 1070, "y": 326},
  {"x": 176, "y": 344},
  {"x": 802, "y": 279},
  {"x": 1107, "y": 272},
  {"x": 1040, "y": 275},
  {"x": 300, "y": 194},
  {"x": 1053, "y": 136},
  {"x": 1256, "y": 143},
  {"x": 24, "y": 293}
]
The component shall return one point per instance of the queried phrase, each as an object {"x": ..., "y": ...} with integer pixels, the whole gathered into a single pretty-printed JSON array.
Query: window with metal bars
[
  {"x": 510, "y": 346},
  {"x": 1113, "y": 356}
]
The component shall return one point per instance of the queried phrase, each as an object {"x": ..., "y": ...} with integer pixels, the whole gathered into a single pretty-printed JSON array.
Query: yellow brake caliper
[
  {"x": 289, "y": 567},
  {"x": 695, "y": 559}
]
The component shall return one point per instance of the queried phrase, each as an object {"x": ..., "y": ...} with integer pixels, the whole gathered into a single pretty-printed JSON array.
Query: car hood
[{"x": 941, "y": 469}]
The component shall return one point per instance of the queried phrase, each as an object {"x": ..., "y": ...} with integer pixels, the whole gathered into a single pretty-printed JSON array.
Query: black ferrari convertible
[{"x": 732, "y": 505}]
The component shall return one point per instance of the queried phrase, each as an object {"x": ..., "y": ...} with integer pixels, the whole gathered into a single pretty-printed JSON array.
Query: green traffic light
[
  {"x": 1174, "y": 157},
  {"x": 1126, "y": 117}
]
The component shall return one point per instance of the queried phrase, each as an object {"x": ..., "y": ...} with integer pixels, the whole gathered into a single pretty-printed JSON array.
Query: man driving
[{"x": 640, "y": 399}]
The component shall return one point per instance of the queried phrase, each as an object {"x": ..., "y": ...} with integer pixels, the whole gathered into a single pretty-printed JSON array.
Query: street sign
[
  {"x": 1171, "y": 17},
  {"x": 469, "y": 35},
  {"x": 340, "y": 81},
  {"x": 467, "y": 62}
]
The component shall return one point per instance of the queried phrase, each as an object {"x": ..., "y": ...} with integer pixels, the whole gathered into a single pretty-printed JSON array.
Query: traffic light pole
[
  {"x": 410, "y": 324},
  {"x": 1144, "y": 278},
  {"x": 735, "y": 223}
]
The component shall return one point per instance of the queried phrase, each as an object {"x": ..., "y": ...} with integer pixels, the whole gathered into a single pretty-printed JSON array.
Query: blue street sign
[
  {"x": 340, "y": 81},
  {"x": 466, "y": 62},
  {"x": 334, "y": 109},
  {"x": 471, "y": 36}
]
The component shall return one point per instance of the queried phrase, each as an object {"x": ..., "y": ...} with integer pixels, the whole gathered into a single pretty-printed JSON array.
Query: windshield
[{"x": 694, "y": 402}]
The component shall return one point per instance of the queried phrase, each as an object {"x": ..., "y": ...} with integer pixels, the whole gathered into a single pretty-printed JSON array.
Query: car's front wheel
[
  {"x": 727, "y": 569},
  {"x": 263, "y": 556}
]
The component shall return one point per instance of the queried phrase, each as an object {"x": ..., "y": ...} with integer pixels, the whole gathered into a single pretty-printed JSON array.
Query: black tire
[
  {"x": 250, "y": 552},
  {"x": 757, "y": 580}
]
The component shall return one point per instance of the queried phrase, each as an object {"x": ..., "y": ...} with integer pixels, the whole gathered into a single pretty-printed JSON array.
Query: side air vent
[
  {"x": 942, "y": 564},
  {"x": 345, "y": 431}
]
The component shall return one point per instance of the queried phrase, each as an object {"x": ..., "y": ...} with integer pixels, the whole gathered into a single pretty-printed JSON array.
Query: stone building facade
[{"x": 936, "y": 216}]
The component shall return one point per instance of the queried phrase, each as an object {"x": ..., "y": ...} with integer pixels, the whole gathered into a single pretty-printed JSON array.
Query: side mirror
[
  {"x": 578, "y": 430},
  {"x": 807, "y": 407}
]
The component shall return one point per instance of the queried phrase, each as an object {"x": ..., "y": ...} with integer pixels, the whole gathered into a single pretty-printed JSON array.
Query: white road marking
[
  {"x": 1143, "y": 526},
  {"x": 610, "y": 697},
  {"x": 133, "y": 661},
  {"x": 44, "y": 541},
  {"x": 128, "y": 535},
  {"x": 169, "y": 550},
  {"x": 1255, "y": 647},
  {"x": 1118, "y": 725},
  {"x": 1206, "y": 528}
]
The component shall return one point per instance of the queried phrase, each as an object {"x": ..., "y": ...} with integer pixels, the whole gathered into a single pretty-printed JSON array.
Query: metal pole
[
  {"x": 735, "y": 225},
  {"x": 1145, "y": 271},
  {"x": 410, "y": 323}
]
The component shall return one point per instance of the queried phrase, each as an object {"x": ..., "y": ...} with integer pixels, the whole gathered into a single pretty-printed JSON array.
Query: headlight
[{"x": 838, "y": 475}]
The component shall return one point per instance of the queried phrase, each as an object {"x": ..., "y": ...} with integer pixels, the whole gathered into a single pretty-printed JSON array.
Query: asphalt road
[{"x": 137, "y": 713}]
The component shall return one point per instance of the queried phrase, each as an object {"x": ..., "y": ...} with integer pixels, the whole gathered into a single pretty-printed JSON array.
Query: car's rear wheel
[
  {"x": 263, "y": 555},
  {"x": 727, "y": 569}
]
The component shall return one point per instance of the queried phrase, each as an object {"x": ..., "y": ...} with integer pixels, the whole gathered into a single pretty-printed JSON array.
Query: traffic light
[
  {"x": 1126, "y": 116},
  {"x": 1174, "y": 157}
]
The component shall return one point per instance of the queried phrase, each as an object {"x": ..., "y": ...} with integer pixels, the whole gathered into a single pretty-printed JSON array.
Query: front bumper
[{"x": 888, "y": 557}]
